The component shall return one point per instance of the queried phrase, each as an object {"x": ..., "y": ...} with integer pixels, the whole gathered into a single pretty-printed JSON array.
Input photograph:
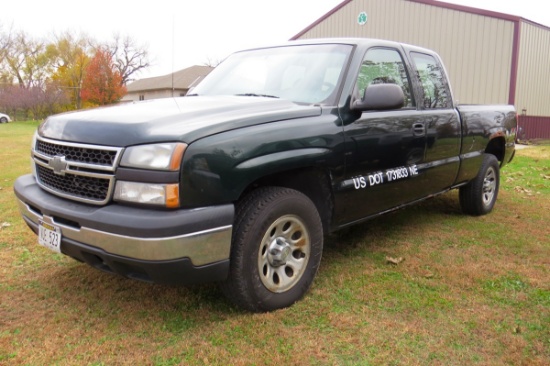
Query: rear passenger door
[{"x": 441, "y": 121}]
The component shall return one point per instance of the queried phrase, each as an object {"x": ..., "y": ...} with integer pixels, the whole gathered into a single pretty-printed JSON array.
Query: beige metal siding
[
  {"x": 476, "y": 49},
  {"x": 533, "y": 79}
]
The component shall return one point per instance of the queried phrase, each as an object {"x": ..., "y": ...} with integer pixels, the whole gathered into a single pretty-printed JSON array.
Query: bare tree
[
  {"x": 212, "y": 62},
  {"x": 129, "y": 57},
  {"x": 33, "y": 102}
]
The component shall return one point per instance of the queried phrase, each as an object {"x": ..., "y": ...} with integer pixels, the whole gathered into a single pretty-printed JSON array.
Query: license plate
[{"x": 49, "y": 236}]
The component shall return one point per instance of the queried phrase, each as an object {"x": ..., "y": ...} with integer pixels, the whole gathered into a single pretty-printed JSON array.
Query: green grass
[
  {"x": 531, "y": 175},
  {"x": 469, "y": 291}
]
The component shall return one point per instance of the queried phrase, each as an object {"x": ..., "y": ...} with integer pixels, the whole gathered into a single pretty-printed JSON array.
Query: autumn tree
[
  {"x": 40, "y": 76},
  {"x": 5, "y": 41},
  {"x": 102, "y": 83},
  {"x": 26, "y": 61},
  {"x": 26, "y": 88},
  {"x": 70, "y": 58}
]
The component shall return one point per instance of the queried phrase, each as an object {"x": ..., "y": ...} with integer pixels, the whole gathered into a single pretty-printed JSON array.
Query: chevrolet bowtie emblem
[{"x": 58, "y": 164}]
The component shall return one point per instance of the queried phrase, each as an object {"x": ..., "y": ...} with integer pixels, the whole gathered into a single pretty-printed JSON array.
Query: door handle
[{"x": 418, "y": 129}]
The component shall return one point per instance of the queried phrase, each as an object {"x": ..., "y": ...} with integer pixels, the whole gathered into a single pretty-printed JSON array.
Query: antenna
[{"x": 173, "y": 49}]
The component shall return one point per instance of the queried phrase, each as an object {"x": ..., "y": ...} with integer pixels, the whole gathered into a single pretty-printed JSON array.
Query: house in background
[{"x": 166, "y": 86}]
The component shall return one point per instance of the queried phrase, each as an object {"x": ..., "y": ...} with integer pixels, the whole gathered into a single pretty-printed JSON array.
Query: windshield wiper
[
  {"x": 192, "y": 95},
  {"x": 256, "y": 95}
]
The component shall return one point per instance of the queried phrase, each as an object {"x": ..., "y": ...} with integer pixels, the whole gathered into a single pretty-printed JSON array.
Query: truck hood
[{"x": 175, "y": 119}]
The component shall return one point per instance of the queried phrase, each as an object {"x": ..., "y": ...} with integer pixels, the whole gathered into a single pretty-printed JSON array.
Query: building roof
[
  {"x": 182, "y": 79},
  {"x": 441, "y": 4}
]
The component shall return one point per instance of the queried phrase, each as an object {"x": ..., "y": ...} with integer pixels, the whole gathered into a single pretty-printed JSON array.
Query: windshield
[{"x": 302, "y": 73}]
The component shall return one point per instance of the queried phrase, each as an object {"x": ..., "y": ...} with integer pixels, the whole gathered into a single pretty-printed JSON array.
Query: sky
[{"x": 179, "y": 34}]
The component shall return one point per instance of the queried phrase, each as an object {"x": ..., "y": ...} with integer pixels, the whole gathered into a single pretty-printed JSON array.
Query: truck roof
[{"x": 354, "y": 41}]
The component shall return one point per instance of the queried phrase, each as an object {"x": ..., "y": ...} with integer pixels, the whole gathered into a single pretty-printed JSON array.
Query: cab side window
[
  {"x": 436, "y": 94},
  {"x": 383, "y": 65}
]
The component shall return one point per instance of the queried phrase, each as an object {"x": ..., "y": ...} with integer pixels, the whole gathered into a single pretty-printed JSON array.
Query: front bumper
[{"x": 179, "y": 247}]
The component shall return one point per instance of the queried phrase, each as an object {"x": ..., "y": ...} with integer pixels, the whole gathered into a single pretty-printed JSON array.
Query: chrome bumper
[{"x": 201, "y": 247}]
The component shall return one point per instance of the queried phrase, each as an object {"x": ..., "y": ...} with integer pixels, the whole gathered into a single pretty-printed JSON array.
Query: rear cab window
[{"x": 434, "y": 86}]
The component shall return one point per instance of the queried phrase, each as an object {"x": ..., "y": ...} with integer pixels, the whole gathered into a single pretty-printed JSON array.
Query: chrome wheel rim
[
  {"x": 284, "y": 254},
  {"x": 489, "y": 186}
]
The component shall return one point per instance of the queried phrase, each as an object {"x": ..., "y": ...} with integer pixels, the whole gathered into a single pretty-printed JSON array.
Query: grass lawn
[{"x": 469, "y": 291}]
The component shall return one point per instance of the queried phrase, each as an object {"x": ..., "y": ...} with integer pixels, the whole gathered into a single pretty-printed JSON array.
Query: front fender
[{"x": 219, "y": 168}]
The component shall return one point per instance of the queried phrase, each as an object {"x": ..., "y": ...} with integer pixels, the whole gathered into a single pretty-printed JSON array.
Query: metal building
[{"x": 491, "y": 58}]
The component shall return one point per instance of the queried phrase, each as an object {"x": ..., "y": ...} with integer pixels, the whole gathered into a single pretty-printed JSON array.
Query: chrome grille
[
  {"x": 76, "y": 171},
  {"x": 86, "y": 155},
  {"x": 88, "y": 188}
]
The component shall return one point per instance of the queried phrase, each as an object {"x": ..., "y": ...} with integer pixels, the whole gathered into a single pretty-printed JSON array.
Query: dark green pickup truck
[{"x": 239, "y": 181}]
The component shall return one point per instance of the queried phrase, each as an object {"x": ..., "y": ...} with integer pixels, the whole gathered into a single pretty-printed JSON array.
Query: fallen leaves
[
  {"x": 525, "y": 191},
  {"x": 429, "y": 274},
  {"x": 396, "y": 261}
]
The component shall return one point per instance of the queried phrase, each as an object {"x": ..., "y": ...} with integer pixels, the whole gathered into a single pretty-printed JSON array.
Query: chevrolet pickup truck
[{"x": 239, "y": 181}]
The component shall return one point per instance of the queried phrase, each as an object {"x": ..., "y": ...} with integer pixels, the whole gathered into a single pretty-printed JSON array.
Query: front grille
[
  {"x": 86, "y": 155},
  {"x": 75, "y": 171},
  {"x": 88, "y": 188}
]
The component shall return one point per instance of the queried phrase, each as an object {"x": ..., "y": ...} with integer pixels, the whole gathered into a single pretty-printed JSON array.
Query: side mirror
[{"x": 379, "y": 97}]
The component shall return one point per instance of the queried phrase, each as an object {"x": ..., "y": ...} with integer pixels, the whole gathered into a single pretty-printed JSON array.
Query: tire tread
[
  {"x": 470, "y": 194},
  {"x": 237, "y": 287}
]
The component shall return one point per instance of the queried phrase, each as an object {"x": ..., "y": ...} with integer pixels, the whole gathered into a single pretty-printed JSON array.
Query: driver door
[{"x": 383, "y": 148}]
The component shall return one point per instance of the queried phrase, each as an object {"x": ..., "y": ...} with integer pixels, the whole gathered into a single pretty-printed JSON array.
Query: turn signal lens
[{"x": 166, "y": 195}]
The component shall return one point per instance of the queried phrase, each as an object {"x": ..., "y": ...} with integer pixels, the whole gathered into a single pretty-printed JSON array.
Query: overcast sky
[{"x": 183, "y": 33}]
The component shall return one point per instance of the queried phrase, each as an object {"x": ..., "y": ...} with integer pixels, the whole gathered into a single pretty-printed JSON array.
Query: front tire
[
  {"x": 3, "y": 120},
  {"x": 479, "y": 196},
  {"x": 276, "y": 249}
]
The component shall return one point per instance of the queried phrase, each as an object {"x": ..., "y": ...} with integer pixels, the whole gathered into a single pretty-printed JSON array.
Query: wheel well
[
  {"x": 314, "y": 183},
  {"x": 496, "y": 147}
]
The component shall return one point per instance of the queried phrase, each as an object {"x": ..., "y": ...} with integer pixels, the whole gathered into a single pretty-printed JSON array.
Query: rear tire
[
  {"x": 3, "y": 120},
  {"x": 276, "y": 249},
  {"x": 479, "y": 196}
]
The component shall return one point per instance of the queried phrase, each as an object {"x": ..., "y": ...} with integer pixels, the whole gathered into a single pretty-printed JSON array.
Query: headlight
[
  {"x": 166, "y": 195},
  {"x": 165, "y": 156}
]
